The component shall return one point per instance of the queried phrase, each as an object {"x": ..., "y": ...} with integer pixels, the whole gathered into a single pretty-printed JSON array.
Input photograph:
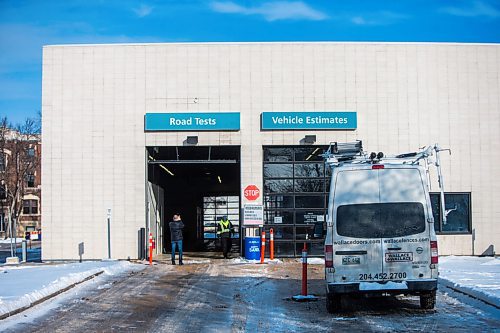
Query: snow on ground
[
  {"x": 242, "y": 260},
  {"x": 315, "y": 261},
  {"x": 24, "y": 285},
  {"x": 191, "y": 262},
  {"x": 475, "y": 276}
]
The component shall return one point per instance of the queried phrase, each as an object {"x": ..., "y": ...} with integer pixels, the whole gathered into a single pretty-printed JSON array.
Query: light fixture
[
  {"x": 220, "y": 181},
  {"x": 312, "y": 154},
  {"x": 192, "y": 140},
  {"x": 168, "y": 171},
  {"x": 310, "y": 139}
]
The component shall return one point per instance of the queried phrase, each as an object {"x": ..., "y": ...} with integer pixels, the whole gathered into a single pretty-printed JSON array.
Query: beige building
[{"x": 102, "y": 158}]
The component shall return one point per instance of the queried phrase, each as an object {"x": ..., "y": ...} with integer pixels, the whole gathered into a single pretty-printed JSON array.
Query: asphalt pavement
[{"x": 216, "y": 295}]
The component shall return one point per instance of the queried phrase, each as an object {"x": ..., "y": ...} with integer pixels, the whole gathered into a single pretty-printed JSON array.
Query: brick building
[{"x": 20, "y": 176}]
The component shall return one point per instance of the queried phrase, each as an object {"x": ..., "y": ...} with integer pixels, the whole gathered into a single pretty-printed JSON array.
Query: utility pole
[
  {"x": 10, "y": 231},
  {"x": 15, "y": 236}
]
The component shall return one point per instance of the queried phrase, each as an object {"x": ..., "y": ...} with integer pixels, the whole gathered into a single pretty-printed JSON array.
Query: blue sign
[
  {"x": 215, "y": 121},
  {"x": 309, "y": 120}
]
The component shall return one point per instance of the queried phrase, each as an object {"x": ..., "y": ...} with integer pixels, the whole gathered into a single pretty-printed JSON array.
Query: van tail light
[
  {"x": 434, "y": 252},
  {"x": 328, "y": 255}
]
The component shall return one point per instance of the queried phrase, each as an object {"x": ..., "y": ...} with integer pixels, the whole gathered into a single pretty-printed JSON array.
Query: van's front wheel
[
  {"x": 333, "y": 303},
  {"x": 428, "y": 300}
]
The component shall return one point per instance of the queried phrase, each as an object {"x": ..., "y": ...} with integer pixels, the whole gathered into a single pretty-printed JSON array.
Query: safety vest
[{"x": 224, "y": 226}]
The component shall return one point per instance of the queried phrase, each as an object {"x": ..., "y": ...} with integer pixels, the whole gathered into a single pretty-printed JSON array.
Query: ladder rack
[{"x": 351, "y": 153}]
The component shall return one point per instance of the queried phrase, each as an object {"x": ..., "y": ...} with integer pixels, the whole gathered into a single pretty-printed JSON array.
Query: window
[
  {"x": 2, "y": 162},
  {"x": 296, "y": 186},
  {"x": 30, "y": 207},
  {"x": 31, "y": 152},
  {"x": 458, "y": 208},
  {"x": 30, "y": 180},
  {"x": 381, "y": 220},
  {"x": 3, "y": 193},
  {"x": 2, "y": 222},
  {"x": 214, "y": 208},
  {"x": 278, "y": 170}
]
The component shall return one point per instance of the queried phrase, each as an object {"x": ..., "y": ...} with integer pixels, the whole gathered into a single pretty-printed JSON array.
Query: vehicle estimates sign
[
  {"x": 199, "y": 121},
  {"x": 309, "y": 120},
  {"x": 253, "y": 214}
]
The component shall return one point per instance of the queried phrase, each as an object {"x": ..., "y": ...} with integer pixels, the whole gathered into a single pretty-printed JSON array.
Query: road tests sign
[{"x": 253, "y": 214}]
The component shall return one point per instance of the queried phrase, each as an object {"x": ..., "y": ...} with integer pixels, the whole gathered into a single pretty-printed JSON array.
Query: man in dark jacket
[
  {"x": 224, "y": 231},
  {"x": 176, "y": 227}
]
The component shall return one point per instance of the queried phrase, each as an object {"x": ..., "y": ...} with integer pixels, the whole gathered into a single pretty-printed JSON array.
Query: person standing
[
  {"x": 224, "y": 231},
  {"x": 176, "y": 227}
]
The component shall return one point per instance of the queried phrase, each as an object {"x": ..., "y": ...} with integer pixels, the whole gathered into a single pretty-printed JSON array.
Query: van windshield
[{"x": 381, "y": 220}]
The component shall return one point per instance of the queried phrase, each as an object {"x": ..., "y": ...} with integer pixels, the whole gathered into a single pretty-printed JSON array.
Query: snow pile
[
  {"x": 24, "y": 285},
  {"x": 7, "y": 241},
  {"x": 315, "y": 261},
  {"x": 195, "y": 262},
  {"x": 478, "y": 277},
  {"x": 242, "y": 260}
]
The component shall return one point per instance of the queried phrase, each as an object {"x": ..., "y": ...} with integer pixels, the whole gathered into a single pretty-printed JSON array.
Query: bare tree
[{"x": 19, "y": 160}]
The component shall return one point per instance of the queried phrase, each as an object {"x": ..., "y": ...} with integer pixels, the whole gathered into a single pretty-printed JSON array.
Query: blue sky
[{"x": 25, "y": 26}]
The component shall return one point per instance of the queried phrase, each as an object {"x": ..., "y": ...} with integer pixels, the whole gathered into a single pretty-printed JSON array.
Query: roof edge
[{"x": 266, "y": 43}]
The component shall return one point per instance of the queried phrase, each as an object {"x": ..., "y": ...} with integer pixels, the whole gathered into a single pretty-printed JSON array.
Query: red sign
[{"x": 251, "y": 192}]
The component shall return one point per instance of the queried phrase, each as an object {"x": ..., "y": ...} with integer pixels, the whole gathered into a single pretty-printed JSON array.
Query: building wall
[{"x": 406, "y": 95}]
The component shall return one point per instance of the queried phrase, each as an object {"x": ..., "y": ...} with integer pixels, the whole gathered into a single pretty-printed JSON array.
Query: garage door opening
[{"x": 202, "y": 183}]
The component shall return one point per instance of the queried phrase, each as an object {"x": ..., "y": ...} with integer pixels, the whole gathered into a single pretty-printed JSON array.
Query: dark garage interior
[{"x": 190, "y": 175}]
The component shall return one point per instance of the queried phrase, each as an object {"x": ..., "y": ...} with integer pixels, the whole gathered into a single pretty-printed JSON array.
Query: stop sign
[{"x": 251, "y": 192}]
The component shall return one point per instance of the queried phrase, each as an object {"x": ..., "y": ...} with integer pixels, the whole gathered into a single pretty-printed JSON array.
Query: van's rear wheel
[
  {"x": 428, "y": 300},
  {"x": 333, "y": 303}
]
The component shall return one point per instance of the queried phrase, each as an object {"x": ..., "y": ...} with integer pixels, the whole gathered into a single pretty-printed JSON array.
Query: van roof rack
[
  {"x": 351, "y": 153},
  {"x": 344, "y": 151}
]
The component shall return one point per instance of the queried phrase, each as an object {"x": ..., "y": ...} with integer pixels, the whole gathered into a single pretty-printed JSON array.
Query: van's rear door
[
  {"x": 357, "y": 256},
  {"x": 404, "y": 210}
]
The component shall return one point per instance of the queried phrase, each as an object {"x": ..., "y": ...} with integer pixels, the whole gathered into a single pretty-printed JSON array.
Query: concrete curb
[
  {"x": 43, "y": 299},
  {"x": 490, "y": 300}
]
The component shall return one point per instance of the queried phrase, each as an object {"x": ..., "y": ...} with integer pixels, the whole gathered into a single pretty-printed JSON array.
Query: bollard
[
  {"x": 271, "y": 244},
  {"x": 304, "y": 270},
  {"x": 262, "y": 247},
  {"x": 150, "y": 249},
  {"x": 304, "y": 297},
  {"x": 25, "y": 251}
]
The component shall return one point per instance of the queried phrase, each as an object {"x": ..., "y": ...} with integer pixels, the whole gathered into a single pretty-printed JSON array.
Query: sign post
[
  {"x": 109, "y": 233},
  {"x": 81, "y": 250}
]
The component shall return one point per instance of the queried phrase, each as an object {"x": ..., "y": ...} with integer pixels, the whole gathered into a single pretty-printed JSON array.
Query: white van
[{"x": 380, "y": 233}]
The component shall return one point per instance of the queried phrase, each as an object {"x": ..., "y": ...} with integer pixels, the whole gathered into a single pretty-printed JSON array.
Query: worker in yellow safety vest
[{"x": 224, "y": 231}]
